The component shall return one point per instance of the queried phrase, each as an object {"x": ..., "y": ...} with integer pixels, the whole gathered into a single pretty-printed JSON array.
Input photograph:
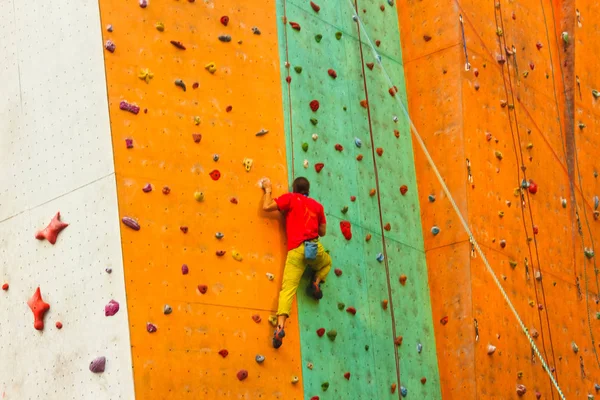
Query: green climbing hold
[
  {"x": 595, "y": 93},
  {"x": 344, "y": 209},
  {"x": 318, "y": 38},
  {"x": 338, "y": 35},
  {"x": 366, "y": 347},
  {"x": 298, "y": 69},
  {"x": 332, "y": 334},
  {"x": 314, "y": 121},
  {"x": 597, "y": 315},
  {"x": 513, "y": 264},
  {"x": 498, "y": 155},
  {"x": 325, "y": 386},
  {"x": 589, "y": 253},
  {"x": 305, "y": 146},
  {"x": 565, "y": 37},
  {"x": 345, "y": 108},
  {"x": 341, "y": 306}
]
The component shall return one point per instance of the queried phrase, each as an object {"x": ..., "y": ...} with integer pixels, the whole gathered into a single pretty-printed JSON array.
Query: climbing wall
[
  {"x": 56, "y": 156},
  {"x": 205, "y": 76},
  {"x": 521, "y": 166},
  {"x": 342, "y": 135}
]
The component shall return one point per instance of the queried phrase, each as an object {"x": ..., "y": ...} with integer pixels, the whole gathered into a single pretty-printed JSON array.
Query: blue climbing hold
[
  {"x": 596, "y": 202},
  {"x": 403, "y": 391},
  {"x": 524, "y": 184},
  {"x": 219, "y": 235},
  {"x": 380, "y": 257},
  {"x": 358, "y": 142},
  {"x": 597, "y": 387},
  {"x": 435, "y": 230},
  {"x": 260, "y": 358},
  {"x": 391, "y": 2},
  {"x": 419, "y": 348},
  {"x": 431, "y": 198}
]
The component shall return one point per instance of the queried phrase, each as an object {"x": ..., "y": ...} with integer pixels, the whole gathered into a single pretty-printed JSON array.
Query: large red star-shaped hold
[
  {"x": 39, "y": 308},
  {"x": 50, "y": 233}
]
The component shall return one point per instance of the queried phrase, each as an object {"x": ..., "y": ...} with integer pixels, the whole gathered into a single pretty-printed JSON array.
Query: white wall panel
[{"x": 56, "y": 155}]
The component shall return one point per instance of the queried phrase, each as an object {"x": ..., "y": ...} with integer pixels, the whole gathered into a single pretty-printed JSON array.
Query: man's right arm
[
  {"x": 322, "y": 229},
  {"x": 322, "y": 223}
]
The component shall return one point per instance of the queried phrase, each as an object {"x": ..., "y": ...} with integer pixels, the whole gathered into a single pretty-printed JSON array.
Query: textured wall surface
[
  {"x": 181, "y": 360},
  {"x": 55, "y": 155},
  {"x": 364, "y": 347},
  {"x": 489, "y": 128}
]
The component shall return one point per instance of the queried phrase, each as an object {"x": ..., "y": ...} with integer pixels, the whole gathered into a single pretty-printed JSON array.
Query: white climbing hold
[
  {"x": 491, "y": 349},
  {"x": 305, "y": 163},
  {"x": 270, "y": 276},
  {"x": 315, "y": 136}
]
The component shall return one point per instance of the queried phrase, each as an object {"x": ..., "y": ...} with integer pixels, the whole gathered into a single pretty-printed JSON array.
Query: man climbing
[{"x": 305, "y": 223}]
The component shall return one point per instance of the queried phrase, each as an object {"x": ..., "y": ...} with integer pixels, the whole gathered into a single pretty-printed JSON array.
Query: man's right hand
[{"x": 266, "y": 185}]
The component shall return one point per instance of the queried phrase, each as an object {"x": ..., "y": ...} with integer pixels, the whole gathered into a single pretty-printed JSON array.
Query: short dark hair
[{"x": 301, "y": 185}]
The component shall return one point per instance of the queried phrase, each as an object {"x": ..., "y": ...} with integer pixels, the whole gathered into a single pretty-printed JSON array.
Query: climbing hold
[
  {"x": 319, "y": 167},
  {"x": 398, "y": 340},
  {"x": 353, "y": 198},
  {"x": 237, "y": 256},
  {"x": 256, "y": 318},
  {"x": 220, "y": 253},
  {"x": 183, "y": 229},
  {"x": 215, "y": 175},
  {"x": 110, "y": 46},
  {"x": 147, "y": 188},
  {"x": 146, "y": 75},
  {"x": 143, "y": 3},
  {"x": 224, "y": 20},
  {"x": 178, "y": 44},
  {"x": 166, "y": 190},
  {"x": 50, "y": 232},
  {"x": 196, "y": 120},
  {"x": 305, "y": 163},
  {"x": 595, "y": 93},
  {"x": 370, "y": 66},
  {"x": 435, "y": 230},
  {"x": 338, "y": 35},
  {"x": 151, "y": 328},
  {"x": 39, "y": 309},
  {"x": 255, "y": 30},
  {"x": 324, "y": 386},
  {"x": 320, "y": 332},
  {"x": 358, "y": 142},
  {"x": 129, "y": 143},
  {"x": 167, "y": 309},
  {"x": 196, "y": 137},
  {"x": 5, "y": 287},
  {"x": 503, "y": 243},
  {"x": 58, "y": 325},
  {"x": 314, "y": 121},
  {"x": 310, "y": 366},
  {"x": 123, "y": 105},
  {"x": 160, "y": 26},
  {"x": 346, "y": 229},
  {"x": 295, "y": 26},
  {"x": 521, "y": 390},
  {"x": 180, "y": 83},
  {"x": 219, "y": 235},
  {"x": 426, "y": 38},
  {"x": 270, "y": 276},
  {"x": 98, "y": 365},
  {"x": 423, "y": 380},
  {"x": 298, "y": 69},
  {"x": 185, "y": 269},
  {"x": 295, "y": 380},
  {"x": 347, "y": 375},
  {"x": 225, "y": 38},
  {"x": 533, "y": 187},
  {"x": 338, "y": 272},
  {"x": 318, "y": 38},
  {"x": 344, "y": 209},
  {"x": 314, "y": 105},
  {"x": 247, "y": 164},
  {"x": 364, "y": 103},
  {"x": 403, "y": 189},
  {"x": 498, "y": 155},
  {"x": 431, "y": 198},
  {"x": 403, "y": 279},
  {"x": 332, "y": 73},
  {"x": 305, "y": 146},
  {"x": 332, "y": 334},
  {"x": 359, "y": 157},
  {"x": 419, "y": 348},
  {"x": 379, "y": 151},
  {"x": 392, "y": 91},
  {"x": 109, "y": 28},
  {"x": 259, "y": 358},
  {"x": 367, "y": 237},
  {"x": 199, "y": 196},
  {"x": 131, "y": 223},
  {"x": 341, "y": 306},
  {"x": 351, "y": 310},
  {"x": 574, "y": 347},
  {"x": 393, "y": 388},
  {"x": 565, "y": 37},
  {"x": 444, "y": 320},
  {"x": 372, "y": 192},
  {"x": 202, "y": 289},
  {"x": 223, "y": 353},
  {"x": 384, "y": 304},
  {"x": 378, "y": 43},
  {"x": 262, "y": 132},
  {"x": 403, "y": 391},
  {"x": 491, "y": 349},
  {"x": 242, "y": 374},
  {"x": 339, "y": 147},
  {"x": 108, "y": 270},
  {"x": 111, "y": 308},
  {"x": 387, "y": 227},
  {"x": 211, "y": 67},
  {"x": 315, "y": 7}
]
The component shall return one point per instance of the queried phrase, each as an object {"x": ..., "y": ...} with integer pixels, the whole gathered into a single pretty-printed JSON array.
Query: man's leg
[
  {"x": 294, "y": 268},
  {"x": 321, "y": 266}
]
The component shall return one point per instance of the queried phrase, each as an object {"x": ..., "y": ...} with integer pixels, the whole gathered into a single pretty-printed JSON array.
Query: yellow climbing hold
[
  {"x": 529, "y": 146},
  {"x": 146, "y": 75},
  {"x": 199, "y": 196},
  {"x": 273, "y": 320},
  {"x": 236, "y": 255},
  {"x": 211, "y": 67},
  {"x": 247, "y": 164},
  {"x": 160, "y": 26},
  {"x": 295, "y": 380},
  {"x": 197, "y": 120}
]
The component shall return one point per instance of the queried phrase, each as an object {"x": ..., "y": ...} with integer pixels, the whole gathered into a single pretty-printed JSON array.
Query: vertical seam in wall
[
  {"x": 387, "y": 269},
  {"x": 289, "y": 87}
]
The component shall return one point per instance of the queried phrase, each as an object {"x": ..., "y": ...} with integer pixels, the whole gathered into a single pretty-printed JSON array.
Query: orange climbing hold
[
  {"x": 370, "y": 66},
  {"x": 387, "y": 227},
  {"x": 379, "y": 151},
  {"x": 364, "y": 104},
  {"x": 403, "y": 189},
  {"x": 393, "y": 388},
  {"x": 398, "y": 341},
  {"x": 396, "y": 133},
  {"x": 332, "y": 73},
  {"x": 403, "y": 279},
  {"x": 384, "y": 304},
  {"x": 368, "y": 237},
  {"x": 359, "y": 157},
  {"x": 372, "y": 192},
  {"x": 39, "y": 309}
]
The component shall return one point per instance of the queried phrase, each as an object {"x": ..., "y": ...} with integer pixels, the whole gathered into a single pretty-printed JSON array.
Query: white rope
[{"x": 454, "y": 206}]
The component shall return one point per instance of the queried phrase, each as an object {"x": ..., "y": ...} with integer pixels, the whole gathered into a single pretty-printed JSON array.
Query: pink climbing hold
[
  {"x": 125, "y": 106},
  {"x": 39, "y": 309},
  {"x": 151, "y": 328},
  {"x": 129, "y": 143},
  {"x": 131, "y": 223},
  {"x": 223, "y": 353},
  {"x": 111, "y": 308},
  {"x": 521, "y": 390},
  {"x": 147, "y": 188},
  {"x": 50, "y": 233},
  {"x": 143, "y": 3},
  {"x": 242, "y": 374},
  {"x": 110, "y": 46},
  {"x": 185, "y": 269},
  {"x": 256, "y": 318},
  {"x": 98, "y": 365}
]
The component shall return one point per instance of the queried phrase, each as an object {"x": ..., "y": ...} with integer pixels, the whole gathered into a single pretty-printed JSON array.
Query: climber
[{"x": 305, "y": 223}]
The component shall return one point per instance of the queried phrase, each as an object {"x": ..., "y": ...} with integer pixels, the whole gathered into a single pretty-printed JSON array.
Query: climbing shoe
[
  {"x": 314, "y": 290},
  {"x": 278, "y": 337}
]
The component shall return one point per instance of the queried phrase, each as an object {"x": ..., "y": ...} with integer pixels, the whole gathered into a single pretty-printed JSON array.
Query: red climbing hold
[
  {"x": 223, "y": 353},
  {"x": 195, "y": 85},
  {"x": 215, "y": 175},
  {"x": 368, "y": 237},
  {"x": 388, "y": 227},
  {"x": 398, "y": 341},
  {"x": 352, "y": 198},
  {"x": 256, "y": 318},
  {"x": 536, "y": 230},
  {"x": 359, "y": 157},
  {"x": 379, "y": 151},
  {"x": 396, "y": 133},
  {"x": 39, "y": 309},
  {"x": 314, "y": 398},
  {"x": 185, "y": 269},
  {"x": 403, "y": 189},
  {"x": 314, "y": 105},
  {"x": 319, "y": 167},
  {"x": 423, "y": 380},
  {"x": 392, "y": 91},
  {"x": 315, "y": 7},
  {"x": 403, "y": 279},
  {"x": 225, "y": 20},
  {"x": 347, "y": 375},
  {"x": 166, "y": 190},
  {"x": 521, "y": 390},
  {"x": 197, "y": 137},
  {"x": 177, "y": 44},
  {"x": 338, "y": 272},
  {"x": 346, "y": 229},
  {"x": 377, "y": 43},
  {"x": 531, "y": 65},
  {"x": 320, "y": 332},
  {"x": 539, "y": 45},
  {"x": 50, "y": 233},
  {"x": 59, "y": 325},
  {"x": 364, "y": 104},
  {"x": 242, "y": 374},
  {"x": 220, "y": 253},
  {"x": 351, "y": 310},
  {"x": 384, "y": 304},
  {"x": 339, "y": 147},
  {"x": 332, "y": 73},
  {"x": 444, "y": 320},
  {"x": 183, "y": 229},
  {"x": 229, "y": 108},
  {"x": 370, "y": 66},
  {"x": 5, "y": 287},
  {"x": 288, "y": 79},
  {"x": 202, "y": 289},
  {"x": 233, "y": 200},
  {"x": 533, "y": 187},
  {"x": 295, "y": 26}
]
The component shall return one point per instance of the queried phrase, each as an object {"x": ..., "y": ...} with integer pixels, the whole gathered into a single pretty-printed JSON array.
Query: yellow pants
[{"x": 294, "y": 268}]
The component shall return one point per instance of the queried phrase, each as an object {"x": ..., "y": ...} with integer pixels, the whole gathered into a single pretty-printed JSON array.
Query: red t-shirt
[{"x": 303, "y": 216}]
